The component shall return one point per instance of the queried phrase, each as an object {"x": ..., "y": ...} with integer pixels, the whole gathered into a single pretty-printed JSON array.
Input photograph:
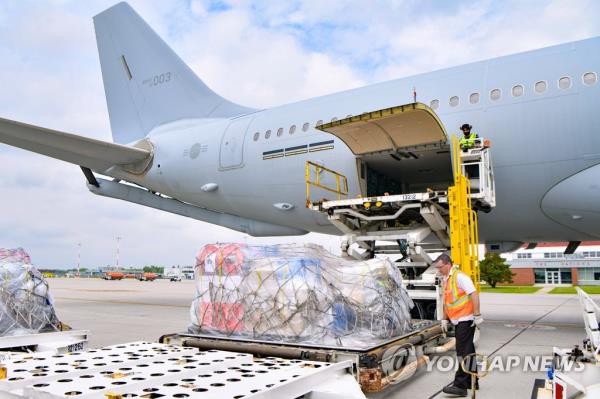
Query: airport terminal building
[{"x": 547, "y": 264}]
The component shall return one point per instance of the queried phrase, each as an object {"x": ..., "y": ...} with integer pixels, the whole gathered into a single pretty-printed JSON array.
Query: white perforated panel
[{"x": 149, "y": 370}]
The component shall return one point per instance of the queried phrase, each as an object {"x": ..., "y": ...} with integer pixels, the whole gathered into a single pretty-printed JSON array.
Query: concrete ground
[
  {"x": 515, "y": 325},
  {"x": 123, "y": 310}
]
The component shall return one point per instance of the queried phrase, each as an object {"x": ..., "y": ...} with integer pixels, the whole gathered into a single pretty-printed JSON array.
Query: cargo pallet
[{"x": 375, "y": 366}]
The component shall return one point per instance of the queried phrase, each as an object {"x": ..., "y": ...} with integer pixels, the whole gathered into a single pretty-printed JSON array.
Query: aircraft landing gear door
[{"x": 232, "y": 144}]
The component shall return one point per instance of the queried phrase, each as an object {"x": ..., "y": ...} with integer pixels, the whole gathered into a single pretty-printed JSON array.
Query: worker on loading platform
[
  {"x": 461, "y": 307},
  {"x": 468, "y": 140}
]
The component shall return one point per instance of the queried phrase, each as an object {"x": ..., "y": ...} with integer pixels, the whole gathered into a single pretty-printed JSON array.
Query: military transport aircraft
[{"x": 182, "y": 148}]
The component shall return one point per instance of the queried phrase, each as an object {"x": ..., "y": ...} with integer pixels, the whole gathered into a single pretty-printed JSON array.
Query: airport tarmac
[{"x": 515, "y": 325}]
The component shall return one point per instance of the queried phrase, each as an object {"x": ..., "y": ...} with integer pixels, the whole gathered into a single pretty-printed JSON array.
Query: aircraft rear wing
[{"x": 84, "y": 151}]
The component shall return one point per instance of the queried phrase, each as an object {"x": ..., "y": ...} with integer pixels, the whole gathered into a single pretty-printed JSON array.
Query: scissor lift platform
[{"x": 391, "y": 217}]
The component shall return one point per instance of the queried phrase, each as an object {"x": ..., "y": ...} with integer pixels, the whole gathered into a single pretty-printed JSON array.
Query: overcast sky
[{"x": 258, "y": 54}]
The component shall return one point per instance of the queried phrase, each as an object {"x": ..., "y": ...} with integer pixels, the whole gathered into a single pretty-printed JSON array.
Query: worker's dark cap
[
  {"x": 443, "y": 258},
  {"x": 466, "y": 126}
]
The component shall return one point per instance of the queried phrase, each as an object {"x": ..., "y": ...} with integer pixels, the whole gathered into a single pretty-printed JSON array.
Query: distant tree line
[
  {"x": 147, "y": 269},
  {"x": 154, "y": 269}
]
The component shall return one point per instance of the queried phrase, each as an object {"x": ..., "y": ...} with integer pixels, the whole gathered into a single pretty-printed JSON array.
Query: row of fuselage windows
[
  {"x": 291, "y": 130},
  {"x": 564, "y": 83},
  {"x": 279, "y": 132}
]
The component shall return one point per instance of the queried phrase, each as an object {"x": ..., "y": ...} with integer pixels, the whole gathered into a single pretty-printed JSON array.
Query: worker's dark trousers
[{"x": 464, "y": 347}]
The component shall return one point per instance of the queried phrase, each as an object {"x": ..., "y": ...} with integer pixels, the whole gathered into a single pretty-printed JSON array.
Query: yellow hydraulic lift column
[{"x": 464, "y": 236}]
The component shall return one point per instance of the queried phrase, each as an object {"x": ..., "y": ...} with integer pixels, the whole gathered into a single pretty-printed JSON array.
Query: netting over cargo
[
  {"x": 297, "y": 293},
  {"x": 25, "y": 302}
]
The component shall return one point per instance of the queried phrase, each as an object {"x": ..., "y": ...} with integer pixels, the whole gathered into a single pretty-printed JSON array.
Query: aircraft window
[
  {"x": 454, "y": 101},
  {"x": 590, "y": 78},
  {"x": 268, "y": 134},
  {"x": 564, "y": 82},
  {"x": 305, "y": 127},
  {"x": 541, "y": 86},
  {"x": 474, "y": 98},
  {"x": 319, "y": 122},
  {"x": 256, "y": 136},
  {"x": 517, "y": 91},
  {"x": 292, "y": 129},
  {"x": 495, "y": 94},
  {"x": 279, "y": 131},
  {"x": 434, "y": 104}
]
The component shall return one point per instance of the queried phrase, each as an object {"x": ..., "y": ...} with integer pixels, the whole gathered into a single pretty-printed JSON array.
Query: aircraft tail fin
[{"x": 145, "y": 82}]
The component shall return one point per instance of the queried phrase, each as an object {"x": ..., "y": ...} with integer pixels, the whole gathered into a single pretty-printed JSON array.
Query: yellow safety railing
[
  {"x": 341, "y": 182},
  {"x": 464, "y": 235}
]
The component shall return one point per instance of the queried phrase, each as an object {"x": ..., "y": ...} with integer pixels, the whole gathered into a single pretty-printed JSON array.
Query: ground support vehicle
[
  {"x": 147, "y": 276},
  {"x": 113, "y": 276}
]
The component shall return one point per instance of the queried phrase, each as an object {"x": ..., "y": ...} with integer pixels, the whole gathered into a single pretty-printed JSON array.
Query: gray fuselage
[{"x": 545, "y": 146}]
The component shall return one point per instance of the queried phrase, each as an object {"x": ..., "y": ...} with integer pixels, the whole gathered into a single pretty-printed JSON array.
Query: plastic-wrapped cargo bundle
[
  {"x": 297, "y": 293},
  {"x": 25, "y": 302}
]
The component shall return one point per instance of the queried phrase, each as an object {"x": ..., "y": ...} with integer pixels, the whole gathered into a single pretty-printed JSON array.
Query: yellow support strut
[{"x": 464, "y": 234}]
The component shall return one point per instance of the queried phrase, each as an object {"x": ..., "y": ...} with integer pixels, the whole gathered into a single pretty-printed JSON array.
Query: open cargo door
[
  {"x": 399, "y": 150},
  {"x": 388, "y": 129}
]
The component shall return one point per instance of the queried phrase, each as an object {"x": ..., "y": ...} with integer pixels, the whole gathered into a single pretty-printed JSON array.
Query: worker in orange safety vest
[{"x": 461, "y": 308}]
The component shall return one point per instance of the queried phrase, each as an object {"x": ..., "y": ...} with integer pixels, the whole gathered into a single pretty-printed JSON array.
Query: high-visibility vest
[
  {"x": 468, "y": 142},
  {"x": 457, "y": 302}
]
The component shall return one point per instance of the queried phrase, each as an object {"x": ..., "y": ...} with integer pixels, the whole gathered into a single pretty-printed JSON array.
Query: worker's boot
[{"x": 454, "y": 390}]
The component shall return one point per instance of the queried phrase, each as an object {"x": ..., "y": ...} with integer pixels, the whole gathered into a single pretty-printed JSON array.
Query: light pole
[{"x": 118, "y": 241}]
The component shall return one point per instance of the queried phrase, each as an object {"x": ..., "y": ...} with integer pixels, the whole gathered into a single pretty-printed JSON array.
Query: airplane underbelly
[{"x": 575, "y": 202}]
